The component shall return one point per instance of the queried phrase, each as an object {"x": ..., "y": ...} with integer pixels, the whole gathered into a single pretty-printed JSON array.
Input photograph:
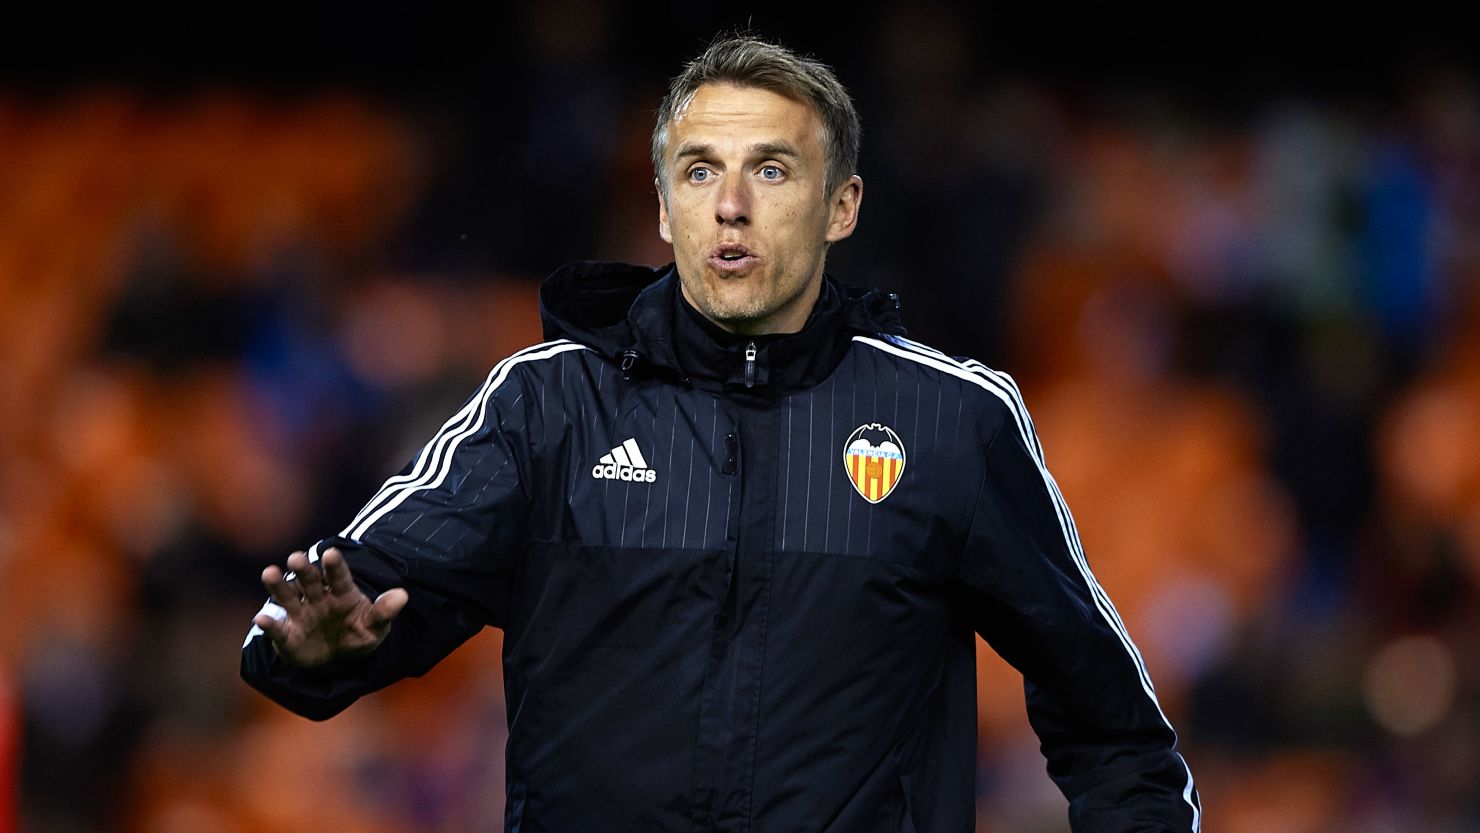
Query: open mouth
[{"x": 732, "y": 257}]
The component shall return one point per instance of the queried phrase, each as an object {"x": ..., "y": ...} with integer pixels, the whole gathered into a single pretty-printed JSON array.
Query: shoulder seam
[
  {"x": 929, "y": 357},
  {"x": 996, "y": 382},
  {"x": 435, "y": 459}
]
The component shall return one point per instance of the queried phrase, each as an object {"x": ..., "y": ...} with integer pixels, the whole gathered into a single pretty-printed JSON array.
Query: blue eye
[
  {"x": 699, "y": 175},
  {"x": 771, "y": 173}
]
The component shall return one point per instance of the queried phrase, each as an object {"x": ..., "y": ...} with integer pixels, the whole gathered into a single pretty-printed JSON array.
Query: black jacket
[{"x": 740, "y": 583}]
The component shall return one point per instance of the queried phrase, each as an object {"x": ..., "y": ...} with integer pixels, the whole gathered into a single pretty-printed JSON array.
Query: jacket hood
[
  {"x": 628, "y": 313},
  {"x": 594, "y": 303}
]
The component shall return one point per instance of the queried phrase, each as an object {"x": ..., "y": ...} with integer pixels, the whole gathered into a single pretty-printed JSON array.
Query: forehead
[{"x": 720, "y": 112}]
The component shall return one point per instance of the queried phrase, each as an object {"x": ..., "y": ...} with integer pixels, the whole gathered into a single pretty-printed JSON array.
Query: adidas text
[{"x": 612, "y": 471}]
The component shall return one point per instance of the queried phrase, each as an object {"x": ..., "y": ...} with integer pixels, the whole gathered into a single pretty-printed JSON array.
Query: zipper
[{"x": 750, "y": 365}]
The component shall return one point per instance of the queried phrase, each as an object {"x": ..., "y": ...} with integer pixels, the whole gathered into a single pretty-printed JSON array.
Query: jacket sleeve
[
  {"x": 448, "y": 528},
  {"x": 1030, "y": 594}
]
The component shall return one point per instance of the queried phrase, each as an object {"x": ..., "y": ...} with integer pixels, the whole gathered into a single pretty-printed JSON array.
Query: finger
[
  {"x": 337, "y": 574},
  {"x": 310, "y": 580},
  {"x": 276, "y": 629},
  {"x": 387, "y": 606},
  {"x": 284, "y": 592}
]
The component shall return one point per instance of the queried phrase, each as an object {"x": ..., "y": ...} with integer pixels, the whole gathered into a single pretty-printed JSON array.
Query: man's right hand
[{"x": 328, "y": 616}]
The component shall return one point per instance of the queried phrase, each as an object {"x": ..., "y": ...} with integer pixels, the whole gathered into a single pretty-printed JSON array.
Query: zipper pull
[
  {"x": 750, "y": 365},
  {"x": 629, "y": 358}
]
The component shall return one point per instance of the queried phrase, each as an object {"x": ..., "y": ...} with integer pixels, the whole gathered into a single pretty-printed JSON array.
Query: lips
[{"x": 732, "y": 257}]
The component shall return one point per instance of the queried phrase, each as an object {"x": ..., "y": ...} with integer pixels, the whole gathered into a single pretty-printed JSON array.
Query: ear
[
  {"x": 663, "y": 230},
  {"x": 843, "y": 209}
]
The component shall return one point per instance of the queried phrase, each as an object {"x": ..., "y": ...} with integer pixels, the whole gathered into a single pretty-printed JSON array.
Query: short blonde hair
[{"x": 749, "y": 61}]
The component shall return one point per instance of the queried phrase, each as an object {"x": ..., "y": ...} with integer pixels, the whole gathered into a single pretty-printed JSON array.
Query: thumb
[{"x": 387, "y": 606}]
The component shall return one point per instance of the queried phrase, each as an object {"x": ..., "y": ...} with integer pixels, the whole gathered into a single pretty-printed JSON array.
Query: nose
[{"x": 732, "y": 202}]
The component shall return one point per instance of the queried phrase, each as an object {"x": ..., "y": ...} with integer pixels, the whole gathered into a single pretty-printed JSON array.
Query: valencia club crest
[{"x": 874, "y": 460}]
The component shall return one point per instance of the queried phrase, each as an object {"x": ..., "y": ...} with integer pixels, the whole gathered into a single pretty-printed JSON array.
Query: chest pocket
[{"x": 643, "y": 470}]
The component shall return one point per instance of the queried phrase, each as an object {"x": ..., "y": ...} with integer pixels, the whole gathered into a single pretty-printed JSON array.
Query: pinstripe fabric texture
[{"x": 715, "y": 618}]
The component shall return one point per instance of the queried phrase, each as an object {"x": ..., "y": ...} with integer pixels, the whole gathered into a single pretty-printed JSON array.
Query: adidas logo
[{"x": 624, "y": 462}]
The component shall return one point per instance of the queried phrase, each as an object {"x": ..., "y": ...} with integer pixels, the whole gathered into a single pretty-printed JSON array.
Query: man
[{"x": 740, "y": 534}]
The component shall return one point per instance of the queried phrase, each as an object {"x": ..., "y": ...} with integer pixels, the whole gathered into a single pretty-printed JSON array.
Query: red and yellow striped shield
[{"x": 874, "y": 460}]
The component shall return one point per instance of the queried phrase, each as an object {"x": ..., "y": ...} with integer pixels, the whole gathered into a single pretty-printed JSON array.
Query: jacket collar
[{"x": 632, "y": 314}]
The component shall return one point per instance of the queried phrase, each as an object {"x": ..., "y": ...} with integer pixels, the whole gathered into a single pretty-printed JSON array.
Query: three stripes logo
[
  {"x": 625, "y": 462},
  {"x": 874, "y": 460}
]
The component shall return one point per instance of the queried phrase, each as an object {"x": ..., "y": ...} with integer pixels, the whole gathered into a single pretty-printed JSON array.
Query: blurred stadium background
[{"x": 250, "y": 259}]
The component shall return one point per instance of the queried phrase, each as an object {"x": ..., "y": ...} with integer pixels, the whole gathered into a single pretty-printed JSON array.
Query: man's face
[{"x": 745, "y": 208}]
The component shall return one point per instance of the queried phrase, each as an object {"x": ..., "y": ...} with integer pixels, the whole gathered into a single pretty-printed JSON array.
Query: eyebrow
[
  {"x": 688, "y": 151},
  {"x": 775, "y": 149}
]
